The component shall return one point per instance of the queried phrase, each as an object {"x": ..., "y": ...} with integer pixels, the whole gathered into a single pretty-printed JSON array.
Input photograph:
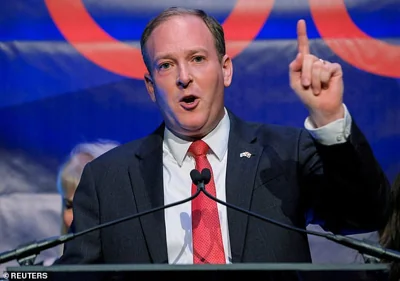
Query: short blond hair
[{"x": 71, "y": 171}]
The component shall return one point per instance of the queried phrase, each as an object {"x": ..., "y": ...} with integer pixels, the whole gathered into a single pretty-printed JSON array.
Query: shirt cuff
[{"x": 335, "y": 132}]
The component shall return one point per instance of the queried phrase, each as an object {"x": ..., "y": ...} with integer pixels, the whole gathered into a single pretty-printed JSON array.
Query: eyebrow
[{"x": 188, "y": 54}]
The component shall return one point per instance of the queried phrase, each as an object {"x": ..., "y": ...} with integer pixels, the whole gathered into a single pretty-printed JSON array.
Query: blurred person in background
[
  {"x": 390, "y": 235},
  {"x": 71, "y": 171}
]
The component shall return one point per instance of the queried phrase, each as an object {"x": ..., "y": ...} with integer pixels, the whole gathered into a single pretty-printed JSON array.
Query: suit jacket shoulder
[{"x": 124, "y": 154}]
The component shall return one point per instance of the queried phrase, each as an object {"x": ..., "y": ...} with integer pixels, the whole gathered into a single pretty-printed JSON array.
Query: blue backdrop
[{"x": 70, "y": 71}]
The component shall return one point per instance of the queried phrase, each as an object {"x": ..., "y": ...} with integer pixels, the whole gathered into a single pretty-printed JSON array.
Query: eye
[
  {"x": 198, "y": 59},
  {"x": 164, "y": 65},
  {"x": 67, "y": 203}
]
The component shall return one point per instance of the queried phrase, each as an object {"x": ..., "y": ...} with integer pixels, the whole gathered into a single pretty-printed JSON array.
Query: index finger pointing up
[{"x": 302, "y": 39}]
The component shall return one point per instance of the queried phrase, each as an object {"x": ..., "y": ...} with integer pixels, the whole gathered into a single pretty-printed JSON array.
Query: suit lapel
[
  {"x": 149, "y": 194},
  {"x": 240, "y": 177}
]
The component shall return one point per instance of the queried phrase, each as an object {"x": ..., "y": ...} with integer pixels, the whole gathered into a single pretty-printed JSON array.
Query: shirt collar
[{"x": 217, "y": 140}]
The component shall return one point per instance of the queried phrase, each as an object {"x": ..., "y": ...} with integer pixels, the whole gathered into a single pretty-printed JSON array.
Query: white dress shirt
[{"x": 177, "y": 165}]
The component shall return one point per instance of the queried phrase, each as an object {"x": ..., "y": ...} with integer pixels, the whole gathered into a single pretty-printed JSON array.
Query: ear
[
  {"x": 227, "y": 70},
  {"x": 148, "y": 80}
]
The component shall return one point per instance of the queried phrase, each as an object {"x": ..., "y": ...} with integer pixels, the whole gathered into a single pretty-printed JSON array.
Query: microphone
[
  {"x": 206, "y": 174},
  {"x": 27, "y": 253},
  {"x": 356, "y": 244},
  {"x": 197, "y": 178},
  {"x": 200, "y": 180}
]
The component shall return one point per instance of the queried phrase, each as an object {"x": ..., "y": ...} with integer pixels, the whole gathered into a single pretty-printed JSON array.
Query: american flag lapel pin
[{"x": 245, "y": 154}]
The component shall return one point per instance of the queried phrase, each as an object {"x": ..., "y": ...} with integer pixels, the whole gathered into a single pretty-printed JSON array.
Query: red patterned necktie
[{"x": 206, "y": 230}]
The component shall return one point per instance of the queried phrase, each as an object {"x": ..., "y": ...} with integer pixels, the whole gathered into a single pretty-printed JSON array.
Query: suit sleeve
[
  {"x": 85, "y": 249},
  {"x": 344, "y": 188}
]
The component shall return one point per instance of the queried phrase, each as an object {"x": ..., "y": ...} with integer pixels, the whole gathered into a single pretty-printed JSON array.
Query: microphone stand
[
  {"x": 26, "y": 254},
  {"x": 361, "y": 246}
]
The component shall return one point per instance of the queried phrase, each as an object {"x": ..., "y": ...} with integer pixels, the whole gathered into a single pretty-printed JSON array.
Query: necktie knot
[{"x": 198, "y": 148}]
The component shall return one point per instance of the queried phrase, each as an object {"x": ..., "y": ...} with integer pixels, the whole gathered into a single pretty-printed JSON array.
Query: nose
[{"x": 184, "y": 78}]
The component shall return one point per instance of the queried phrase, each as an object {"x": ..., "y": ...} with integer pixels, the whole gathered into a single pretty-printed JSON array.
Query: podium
[{"x": 261, "y": 271}]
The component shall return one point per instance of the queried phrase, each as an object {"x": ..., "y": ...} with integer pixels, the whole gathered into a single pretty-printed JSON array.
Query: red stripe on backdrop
[{"x": 350, "y": 43}]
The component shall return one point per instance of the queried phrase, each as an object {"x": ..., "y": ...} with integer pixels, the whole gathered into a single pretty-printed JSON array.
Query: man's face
[{"x": 187, "y": 78}]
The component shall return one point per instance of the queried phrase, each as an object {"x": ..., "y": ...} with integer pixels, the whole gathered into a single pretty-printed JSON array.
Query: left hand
[{"x": 318, "y": 83}]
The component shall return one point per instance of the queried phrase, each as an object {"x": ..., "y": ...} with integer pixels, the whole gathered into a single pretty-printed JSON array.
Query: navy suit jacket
[{"x": 289, "y": 178}]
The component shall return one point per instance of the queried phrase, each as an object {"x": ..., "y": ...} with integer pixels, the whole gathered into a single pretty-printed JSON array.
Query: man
[{"x": 327, "y": 174}]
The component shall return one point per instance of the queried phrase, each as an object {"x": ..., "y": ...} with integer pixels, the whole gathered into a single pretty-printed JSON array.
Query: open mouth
[
  {"x": 189, "y": 99},
  {"x": 189, "y": 102}
]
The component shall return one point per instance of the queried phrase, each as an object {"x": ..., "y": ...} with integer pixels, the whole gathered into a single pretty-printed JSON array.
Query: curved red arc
[
  {"x": 352, "y": 44},
  {"x": 242, "y": 26},
  {"x": 89, "y": 39}
]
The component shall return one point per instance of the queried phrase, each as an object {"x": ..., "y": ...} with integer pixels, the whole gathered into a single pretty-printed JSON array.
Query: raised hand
[{"x": 318, "y": 83}]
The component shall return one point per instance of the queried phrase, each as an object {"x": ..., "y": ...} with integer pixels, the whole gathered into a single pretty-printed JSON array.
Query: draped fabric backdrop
[{"x": 71, "y": 72}]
